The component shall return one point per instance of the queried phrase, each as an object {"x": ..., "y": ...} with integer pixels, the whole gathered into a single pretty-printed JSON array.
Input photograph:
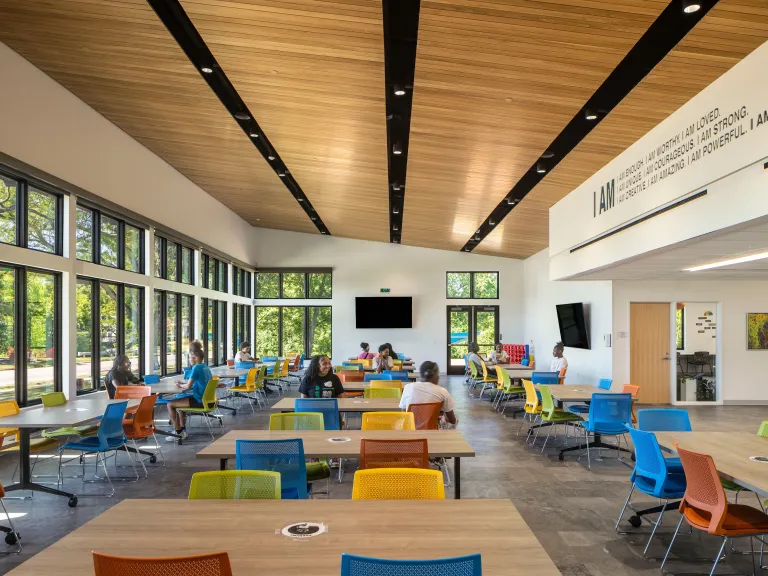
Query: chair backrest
[
  {"x": 609, "y": 413},
  {"x": 545, "y": 377},
  {"x": 250, "y": 379},
  {"x": 284, "y": 370},
  {"x": 411, "y": 453},
  {"x": 144, "y": 417},
  {"x": 474, "y": 374},
  {"x": 763, "y": 430},
  {"x": 426, "y": 415},
  {"x": 283, "y": 456},
  {"x": 370, "y": 376},
  {"x": 649, "y": 461},
  {"x": 350, "y": 367},
  {"x": 209, "y": 395},
  {"x": 53, "y": 399},
  {"x": 547, "y": 402},
  {"x": 269, "y": 358},
  {"x": 663, "y": 420},
  {"x": 381, "y": 392},
  {"x": 605, "y": 383},
  {"x": 231, "y": 363},
  {"x": 631, "y": 389},
  {"x": 328, "y": 407},
  {"x": 111, "y": 425},
  {"x": 351, "y": 376},
  {"x": 388, "y": 421},
  {"x": 296, "y": 363},
  {"x": 362, "y": 566},
  {"x": 244, "y": 365},
  {"x": 387, "y": 384},
  {"x": 484, "y": 368},
  {"x": 151, "y": 379},
  {"x": 297, "y": 421},
  {"x": 704, "y": 490},
  {"x": 401, "y": 356},
  {"x": 8, "y": 408},
  {"x": 132, "y": 392},
  {"x": 398, "y": 484},
  {"x": 397, "y": 374},
  {"x": 531, "y": 398},
  {"x": 235, "y": 485},
  {"x": 216, "y": 564},
  {"x": 701, "y": 357}
]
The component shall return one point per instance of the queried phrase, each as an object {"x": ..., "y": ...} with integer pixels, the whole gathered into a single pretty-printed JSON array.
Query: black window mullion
[
  {"x": 58, "y": 227},
  {"x": 280, "y": 331},
  {"x": 163, "y": 332},
  {"x": 95, "y": 331},
  {"x": 179, "y": 263},
  {"x": 280, "y": 286},
  {"x": 57, "y": 308},
  {"x": 96, "y": 237},
  {"x": 20, "y": 343},
  {"x": 306, "y": 331},
  {"x": 121, "y": 244},
  {"x": 22, "y": 209},
  {"x": 120, "y": 318}
]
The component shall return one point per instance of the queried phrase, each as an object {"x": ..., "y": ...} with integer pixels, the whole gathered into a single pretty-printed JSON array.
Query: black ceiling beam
[
  {"x": 669, "y": 28},
  {"x": 184, "y": 32},
  {"x": 401, "y": 30}
]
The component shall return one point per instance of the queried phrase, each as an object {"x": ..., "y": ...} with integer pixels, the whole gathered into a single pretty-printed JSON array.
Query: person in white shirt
[
  {"x": 427, "y": 390},
  {"x": 244, "y": 354},
  {"x": 498, "y": 356},
  {"x": 383, "y": 361},
  {"x": 475, "y": 357},
  {"x": 558, "y": 361}
]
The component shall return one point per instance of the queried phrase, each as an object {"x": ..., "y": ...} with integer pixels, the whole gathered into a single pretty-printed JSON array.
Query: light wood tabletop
[
  {"x": 731, "y": 452},
  {"x": 73, "y": 413},
  {"x": 576, "y": 392},
  {"x": 349, "y": 405},
  {"x": 249, "y": 531},
  {"x": 226, "y": 372}
]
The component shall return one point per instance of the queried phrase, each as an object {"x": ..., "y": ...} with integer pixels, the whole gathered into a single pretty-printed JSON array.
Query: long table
[
  {"x": 349, "y": 405},
  {"x": 250, "y": 532},
  {"x": 731, "y": 452},
  {"x": 319, "y": 444}
]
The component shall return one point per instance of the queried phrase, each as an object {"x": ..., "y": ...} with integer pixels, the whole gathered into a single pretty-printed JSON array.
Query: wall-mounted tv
[
  {"x": 573, "y": 328},
  {"x": 384, "y": 312}
]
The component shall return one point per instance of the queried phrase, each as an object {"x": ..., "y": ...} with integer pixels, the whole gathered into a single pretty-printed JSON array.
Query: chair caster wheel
[
  {"x": 561, "y": 456},
  {"x": 72, "y": 502},
  {"x": 12, "y": 538},
  {"x": 179, "y": 441},
  {"x": 635, "y": 521},
  {"x": 152, "y": 459}
]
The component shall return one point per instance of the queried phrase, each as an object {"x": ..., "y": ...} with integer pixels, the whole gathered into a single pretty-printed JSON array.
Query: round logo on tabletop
[
  {"x": 302, "y": 530},
  {"x": 759, "y": 458},
  {"x": 340, "y": 439}
]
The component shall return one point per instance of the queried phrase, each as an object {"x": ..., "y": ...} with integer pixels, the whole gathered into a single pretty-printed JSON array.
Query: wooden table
[
  {"x": 349, "y": 405},
  {"x": 317, "y": 444},
  {"x": 74, "y": 413},
  {"x": 248, "y": 530},
  {"x": 730, "y": 451}
]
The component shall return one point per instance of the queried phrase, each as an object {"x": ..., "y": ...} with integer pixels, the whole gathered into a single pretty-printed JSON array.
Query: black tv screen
[
  {"x": 384, "y": 312},
  {"x": 573, "y": 328}
]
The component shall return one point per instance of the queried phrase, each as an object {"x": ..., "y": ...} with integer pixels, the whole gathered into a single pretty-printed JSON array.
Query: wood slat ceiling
[
  {"x": 119, "y": 58},
  {"x": 312, "y": 73},
  {"x": 731, "y": 30}
]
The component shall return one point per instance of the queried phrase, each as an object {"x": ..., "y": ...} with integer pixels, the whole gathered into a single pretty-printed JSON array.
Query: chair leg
[
  {"x": 133, "y": 463},
  {"x": 154, "y": 437},
  {"x": 547, "y": 438},
  {"x": 624, "y": 509},
  {"x": 719, "y": 555},
  {"x": 655, "y": 527},
  {"x": 586, "y": 441},
  {"x": 141, "y": 460},
  {"x": 661, "y": 568},
  {"x": 100, "y": 456},
  {"x": 13, "y": 529}
]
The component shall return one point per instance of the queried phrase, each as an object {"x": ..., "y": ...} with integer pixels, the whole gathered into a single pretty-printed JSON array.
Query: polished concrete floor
[{"x": 572, "y": 510}]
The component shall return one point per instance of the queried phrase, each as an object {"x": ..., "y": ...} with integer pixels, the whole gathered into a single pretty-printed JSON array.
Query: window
[
  {"x": 41, "y": 334},
  {"x": 221, "y": 329},
  {"x": 680, "y": 326},
  {"x": 171, "y": 340},
  {"x": 171, "y": 255},
  {"x": 158, "y": 257},
  {"x": 42, "y": 225},
  {"x": 109, "y": 234},
  {"x": 108, "y": 240},
  {"x": 213, "y": 273},
  {"x": 187, "y": 264},
  {"x": 8, "y": 212},
  {"x": 478, "y": 285},
  {"x": 241, "y": 282},
  {"x": 8, "y": 333},
  {"x": 84, "y": 234},
  {"x": 85, "y": 331},
  {"x": 133, "y": 237},
  {"x": 173, "y": 331},
  {"x": 173, "y": 261},
  {"x": 30, "y": 217},
  {"x": 284, "y": 330},
  {"x": 187, "y": 326},
  {"x": 132, "y": 322},
  {"x": 108, "y": 327},
  {"x": 213, "y": 330},
  {"x": 294, "y": 284},
  {"x": 241, "y": 326}
]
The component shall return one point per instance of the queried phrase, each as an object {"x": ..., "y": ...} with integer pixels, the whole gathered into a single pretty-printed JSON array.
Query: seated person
[
  {"x": 319, "y": 381},
  {"x": 428, "y": 390},
  {"x": 120, "y": 375},
  {"x": 197, "y": 382},
  {"x": 558, "y": 361},
  {"x": 475, "y": 357},
  {"x": 366, "y": 354},
  {"x": 498, "y": 356},
  {"x": 244, "y": 354},
  {"x": 392, "y": 353},
  {"x": 383, "y": 361}
]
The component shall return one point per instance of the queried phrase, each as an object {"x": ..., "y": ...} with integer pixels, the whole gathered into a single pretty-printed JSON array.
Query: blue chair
[
  {"x": 329, "y": 407},
  {"x": 266, "y": 359},
  {"x": 349, "y": 364},
  {"x": 361, "y": 566},
  {"x": 652, "y": 476},
  {"x": 244, "y": 366},
  {"x": 401, "y": 356},
  {"x": 609, "y": 415},
  {"x": 603, "y": 384},
  {"x": 109, "y": 437},
  {"x": 151, "y": 379},
  {"x": 545, "y": 377},
  {"x": 401, "y": 375},
  {"x": 371, "y": 376},
  {"x": 303, "y": 357},
  {"x": 663, "y": 420}
]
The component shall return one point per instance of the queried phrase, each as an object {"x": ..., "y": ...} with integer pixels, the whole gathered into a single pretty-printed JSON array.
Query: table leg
[
  {"x": 596, "y": 443},
  {"x": 457, "y": 478},
  {"x": 223, "y": 463},
  {"x": 25, "y": 473}
]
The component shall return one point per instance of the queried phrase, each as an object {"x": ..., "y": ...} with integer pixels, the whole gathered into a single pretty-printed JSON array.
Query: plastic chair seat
[
  {"x": 674, "y": 486},
  {"x": 740, "y": 520},
  {"x": 563, "y": 416},
  {"x": 35, "y": 445},
  {"x": 240, "y": 389},
  {"x": 318, "y": 471},
  {"x": 608, "y": 428},
  {"x": 579, "y": 409},
  {"x": 674, "y": 465},
  {"x": 93, "y": 444},
  {"x": 70, "y": 431}
]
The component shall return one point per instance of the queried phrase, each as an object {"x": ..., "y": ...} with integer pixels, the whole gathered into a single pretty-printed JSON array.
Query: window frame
[
  {"x": 472, "y": 284},
  {"x": 163, "y": 258},
  {"x": 241, "y": 325},
  {"x": 96, "y": 216},
  {"x": 213, "y": 306},
  {"x": 162, "y": 369},
  {"x": 682, "y": 329},
  {"x": 307, "y": 272},
  {"x": 220, "y": 273},
  {"x": 306, "y": 342}
]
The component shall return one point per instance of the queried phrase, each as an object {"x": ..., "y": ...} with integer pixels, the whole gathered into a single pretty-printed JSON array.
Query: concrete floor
[{"x": 571, "y": 510}]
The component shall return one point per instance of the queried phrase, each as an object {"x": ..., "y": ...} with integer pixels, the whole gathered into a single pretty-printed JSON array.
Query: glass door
[
  {"x": 458, "y": 337},
  {"x": 486, "y": 328}
]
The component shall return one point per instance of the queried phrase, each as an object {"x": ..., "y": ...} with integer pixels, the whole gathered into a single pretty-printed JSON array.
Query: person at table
[
  {"x": 558, "y": 360},
  {"x": 428, "y": 390},
  {"x": 499, "y": 356},
  {"x": 193, "y": 345},
  {"x": 244, "y": 354},
  {"x": 319, "y": 381},
  {"x": 195, "y": 384},
  {"x": 366, "y": 353},
  {"x": 120, "y": 375},
  {"x": 475, "y": 358},
  {"x": 383, "y": 361},
  {"x": 392, "y": 353}
]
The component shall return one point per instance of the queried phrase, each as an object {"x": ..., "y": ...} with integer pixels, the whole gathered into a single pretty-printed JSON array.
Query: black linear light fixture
[
  {"x": 669, "y": 28},
  {"x": 401, "y": 29},
  {"x": 184, "y": 32}
]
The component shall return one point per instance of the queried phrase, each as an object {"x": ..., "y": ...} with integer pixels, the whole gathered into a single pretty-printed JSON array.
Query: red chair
[
  {"x": 426, "y": 415},
  {"x": 142, "y": 426},
  {"x": 216, "y": 564},
  {"x": 394, "y": 453}
]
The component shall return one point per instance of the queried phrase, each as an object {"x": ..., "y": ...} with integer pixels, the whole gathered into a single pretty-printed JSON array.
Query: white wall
[
  {"x": 361, "y": 268},
  {"x": 696, "y": 341},
  {"x": 541, "y": 327}
]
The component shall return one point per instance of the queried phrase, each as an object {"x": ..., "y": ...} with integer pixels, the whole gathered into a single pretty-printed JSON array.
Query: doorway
[
  {"x": 649, "y": 346},
  {"x": 696, "y": 351},
  {"x": 470, "y": 324}
]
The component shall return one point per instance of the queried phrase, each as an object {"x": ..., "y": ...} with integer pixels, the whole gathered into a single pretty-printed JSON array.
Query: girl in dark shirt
[
  {"x": 319, "y": 381},
  {"x": 120, "y": 375}
]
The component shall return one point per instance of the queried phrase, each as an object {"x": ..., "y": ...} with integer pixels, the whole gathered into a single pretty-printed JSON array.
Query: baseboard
[{"x": 745, "y": 402}]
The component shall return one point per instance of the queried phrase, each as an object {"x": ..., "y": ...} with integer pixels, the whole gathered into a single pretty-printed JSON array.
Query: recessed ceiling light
[
  {"x": 206, "y": 70},
  {"x": 466, "y": 249},
  {"x": 397, "y": 187},
  {"x": 492, "y": 223},
  {"x": 511, "y": 201},
  {"x": 752, "y": 258},
  {"x": 394, "y": 227},
  {"x": 691, "y": 6},
  {"x": 590, "y": 114},
  {"x": 397, "y": 148},
  {"x": 399, "y": 90},
  {"x": 541, "y": 168},
  {"x": 300, "y": 199},
  {"x": 242, "y": 116},
  {"x": 477, "y": 237},
  {"x": 282, "y": 173},
  {"x": 314, "y": 218},
  {"x": 395, "y": 211},
  {"x": 270, "y": 157},
  {"x": 253, "y": 134},
  {"x": 547, "y": 154}
]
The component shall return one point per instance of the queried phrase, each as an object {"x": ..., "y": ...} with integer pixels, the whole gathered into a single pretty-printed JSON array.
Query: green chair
[
  {"x": 551, "y": 414},
  {"x": 209, "y": 406},
  {"x": 58, "y": 399},
  {"x": 381, "y": 393},
  {"x": 316, "y": 471},
  {"x": 235, "y": 485},
  {"x": 508, "y": 388},
  {"x": 474, "y": 376}
]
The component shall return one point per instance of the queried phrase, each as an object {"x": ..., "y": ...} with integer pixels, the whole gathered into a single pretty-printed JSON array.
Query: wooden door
[{"x": 649, "y": 345}]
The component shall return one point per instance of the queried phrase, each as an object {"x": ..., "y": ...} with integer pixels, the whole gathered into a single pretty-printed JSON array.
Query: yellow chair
[
  {"x": 235, "y": 485},
  {"x": 398, "y": 484},
  {"x": 380, "y": 392},
  {"x": 532, "y": 404},
  {"x": 364, "y": 363},
  {"x": 210, "y": 404},
  {"x": 388, "y": 421},
  {"x": 387, "y": 384},
  {"x": 10, "y": 408},
  {"x": 297, "y": 421},
  {"x": 254, "y": 382}
]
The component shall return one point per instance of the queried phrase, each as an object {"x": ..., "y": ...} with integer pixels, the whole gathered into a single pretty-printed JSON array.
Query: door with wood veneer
[{"x": 649, "y": 346}]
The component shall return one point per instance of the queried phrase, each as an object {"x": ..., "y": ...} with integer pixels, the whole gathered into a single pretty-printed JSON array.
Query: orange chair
[
  {"x": 561, "y": 375},
  {"x": 632, "y": 389},
  {"x": 393, "y": 453},
  {"x": 349, "y": 376},
  {"x": 231, "y": 363},
  {"x": 426, "y": 415},
  {"x": 132, "y": 393},
  {"x": 705, "y": 506},
  {"x": 142, "y": 426},
  {"x": 216, "y": 564}
]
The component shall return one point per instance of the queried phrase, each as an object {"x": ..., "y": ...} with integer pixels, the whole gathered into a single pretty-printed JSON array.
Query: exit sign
[{"x": 384, "y": 289}]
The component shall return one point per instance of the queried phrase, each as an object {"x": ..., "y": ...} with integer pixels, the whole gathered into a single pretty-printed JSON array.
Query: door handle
[{"x": 666, "y": 358}]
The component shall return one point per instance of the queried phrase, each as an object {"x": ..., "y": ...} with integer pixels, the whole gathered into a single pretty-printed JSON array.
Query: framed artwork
[{"x": 757, "y": 331}]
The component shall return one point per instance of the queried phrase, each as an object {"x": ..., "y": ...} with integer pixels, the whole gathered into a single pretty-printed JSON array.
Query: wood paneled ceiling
[{"x": 495, "y": 82}]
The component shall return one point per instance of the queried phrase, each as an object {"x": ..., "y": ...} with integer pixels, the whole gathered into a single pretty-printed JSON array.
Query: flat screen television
[
  {"x": 573, "y": 328},
  {"x": 384, "y": 312}
]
